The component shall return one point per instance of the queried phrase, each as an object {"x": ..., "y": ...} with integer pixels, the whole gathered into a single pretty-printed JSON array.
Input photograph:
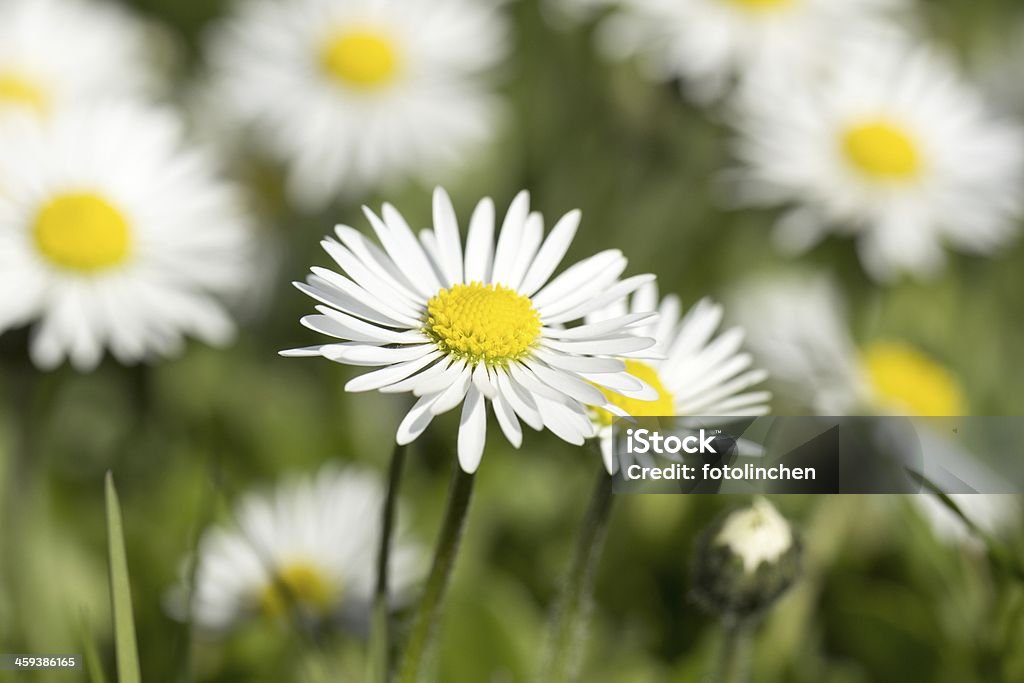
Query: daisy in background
[
  {"x": 710, "y": 44},
  {"x": 479, "y": 324},
  {"x": 115, "y": 235},
  {"x": 306, "y": 548},
  {"x": 893, "y": 149},
  {"x": 352, "y": 94},
  {"x": 697, "y": 372},
  {"x": 800, "y": 332},
  {"x": 60, "y": 53}
]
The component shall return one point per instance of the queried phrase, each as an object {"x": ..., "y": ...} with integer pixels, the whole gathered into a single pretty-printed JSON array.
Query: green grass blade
[
  {"x": 120, "y": 592},
  {"x": 90, "y": 654}
]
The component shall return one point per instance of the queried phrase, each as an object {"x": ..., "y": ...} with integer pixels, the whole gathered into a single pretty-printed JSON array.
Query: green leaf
[{"x": 120, "y": 592}]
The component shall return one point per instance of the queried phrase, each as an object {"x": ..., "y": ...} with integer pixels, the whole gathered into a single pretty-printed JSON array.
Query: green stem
[
  {"x": 569, "y": 627},
  {"x": 429, "y": 609},
  {"x": 379, "y": 636},
  {"x": 734, "y": 656}
]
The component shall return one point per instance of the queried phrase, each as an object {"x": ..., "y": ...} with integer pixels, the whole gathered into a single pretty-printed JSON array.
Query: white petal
[
  {"x": 520, "y": 399},
  {"x": 366, "y": 354},
  {"x": 507, "y": 420},
  {"x": 443, "y": 380},
  {"x": 482, "y": 380},
  {"x": 389, "y": 375},
  {"x": 449, "y": 242},
  {"x": 609, "y": 346},
  {"x": 304, "y": 352},
  {"x": 454, "y": 394},
  {"x": 533, "y": 231},
  {"x": 416, "y": 420},
  {"x": 472, "y": 430},
  {"x": 480, "y": 242},
  {"x": 551, "y": 253},
  {"x": 510, "y": 236},
  {"x": 401, "y": 245},
  {"x": 581, "y": 275},
  {"x": 613, "y": 293},
  {"x": 568, "y": 384},
  {"x": 599, "y": 329},
  {"x": 560, "y": 420},
  {"x": 575, "y": 363}
]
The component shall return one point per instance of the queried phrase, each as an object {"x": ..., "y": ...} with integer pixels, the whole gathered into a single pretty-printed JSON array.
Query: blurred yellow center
[
  {"x": 662, "y": 406},
  {"x": 361, "y": 58},
  {"x": 760, "y": 5},
  {"x": 299, "y": 584},
  {"x": 488, "y": 323},
  {"x": 882, "y": 151},
  {"x": 19, "y": 91},
  {"x": 82, "y": 231},
  {"x": 907, "y": 381}
]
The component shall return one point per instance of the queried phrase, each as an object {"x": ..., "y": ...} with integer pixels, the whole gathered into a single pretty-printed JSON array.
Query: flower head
[
  {"x": 60, "y": 53},
  {"x": 892, "y": 148},
  {"x": 744, "y": 562},
  {"x": 353, "y": 94},
  {"x": 693, "y": 370},
  {"x": 478, "y": 323},
  {"x": 114, "y": 234},
  {"x": 306, "y": 548}
]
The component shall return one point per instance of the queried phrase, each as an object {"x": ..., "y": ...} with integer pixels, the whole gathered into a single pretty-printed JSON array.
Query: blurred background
[{"x": 884, "y": 595}]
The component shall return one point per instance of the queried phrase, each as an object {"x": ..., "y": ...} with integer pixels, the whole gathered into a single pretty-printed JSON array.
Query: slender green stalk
[
  {"x": 734, "y": 656},
  {"x": 429, "y": 609},
  {"x": 572, "y": 616},
  {"x": 379, "y": 635},
  {"x": 120, "y": 592}
]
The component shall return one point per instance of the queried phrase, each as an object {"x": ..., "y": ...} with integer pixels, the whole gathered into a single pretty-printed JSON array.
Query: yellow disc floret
[
  {"x": 882, "y": 151},
  {"x": 363, "y": 58},
  {"x": 662, "y": 406},
  {"x": 760, "y": 5},
  {"x": 301, "y": 585},
  {"x": 482, "y": 323},
  {"x": 19, "y": 91},
  {"x": 907, "y": 381},
  {"x": 82, "y": 231}
]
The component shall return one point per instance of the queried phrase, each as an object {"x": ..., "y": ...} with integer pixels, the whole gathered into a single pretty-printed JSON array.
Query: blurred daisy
[
  {"x": 482, "y": 324},
  {"x": 114, "y": 235},
  {"x": 356, "y": 93},
  {"x": 698, "y": 372},
  {"x": 712, "y": 43},
  {"x": 307, "y": 549},
  {"x": 893, "y": 149},
  {"x": 799, "y": 331},
  {"x": 56, "y": 53}
]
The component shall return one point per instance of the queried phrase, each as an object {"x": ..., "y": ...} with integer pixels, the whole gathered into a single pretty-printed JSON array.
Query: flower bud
[{"x": 745, "y": 561}]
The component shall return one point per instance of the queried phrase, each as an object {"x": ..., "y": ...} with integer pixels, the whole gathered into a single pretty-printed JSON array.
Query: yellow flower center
[
  {"x": 488, "y": 323},
  {"x": 907, "y": 381},
  {"x": 662, "y": 406},
  {"x": 301, "y": 585},
  {"x": 82, "y": 231},
  {"x": 18, "y": 91},
  {"x": 880, "y": 150},
  {"x": 760, "y": 5},
  {"x": 366, "y": 59}
]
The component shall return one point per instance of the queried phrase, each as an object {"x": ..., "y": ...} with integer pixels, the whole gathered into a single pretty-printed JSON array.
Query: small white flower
[
  {"x": 356, "y": 93},
  {"x": 308, "y": 546},
  {"x": 712, "y": 43},
  {"x": 696, "y": 372},
  {"x": 799, "y": 331},
  {"x": 60, "y": 53},
  {"x": 894, "y": 149},
  {"x": 114, "y": 235},
  {"x": 756, "y": 534},
  {"x": 482, "y": 324}
]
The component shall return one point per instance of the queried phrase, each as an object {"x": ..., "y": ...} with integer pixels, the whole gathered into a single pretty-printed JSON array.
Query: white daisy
[
  {"x": 115, "y": 235},
  {"x": 58, "y": 53},
  {"x": 482, "y": 324},
  {"x": 799, "y": 331},
  {"x": 893, "y": 149},
  {"x": 308, "y": 547},
  {"x": 696, "y": 372},
  {"x": 709, "y": 44},
  {"x": 355, "y": 93}
]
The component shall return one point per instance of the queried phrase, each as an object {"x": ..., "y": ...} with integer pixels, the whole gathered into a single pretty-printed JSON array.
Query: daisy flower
[
  {"x": 58, "y": 53},
  {"x": 308, "y": 546},
  {"x": 799, "y": 331},
  {"x": 114, "y": 234},
  {"x": 709, "y": 44},
  {"x": 893, "y": 149},
  {"x": 352, "y": 94},
  {"x": 484, "y": 323},
  {"x": 698, "y": 372}
]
